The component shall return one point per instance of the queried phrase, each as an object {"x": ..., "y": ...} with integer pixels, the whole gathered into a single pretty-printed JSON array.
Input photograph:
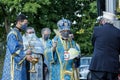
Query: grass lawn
[{"x": 1, "y": 64}]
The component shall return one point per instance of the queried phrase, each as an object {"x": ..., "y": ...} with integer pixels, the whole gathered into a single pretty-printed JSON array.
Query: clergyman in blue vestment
[
  {"x": 65, "y": 57},
  {"x": 14, "y": 63},
  {"x": 47, "y": 45},
  {"x": 32, "y": 42}
]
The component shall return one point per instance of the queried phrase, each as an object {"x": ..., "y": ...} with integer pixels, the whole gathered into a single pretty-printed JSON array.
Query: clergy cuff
[{"x": 16, "y": 53}]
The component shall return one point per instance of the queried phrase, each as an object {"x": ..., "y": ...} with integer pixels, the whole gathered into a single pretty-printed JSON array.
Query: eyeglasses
[{"x": 30, "y": 32}]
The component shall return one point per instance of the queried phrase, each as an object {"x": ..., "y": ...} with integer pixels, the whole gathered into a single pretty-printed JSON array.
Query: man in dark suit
[{"x": 106, "y": 43}]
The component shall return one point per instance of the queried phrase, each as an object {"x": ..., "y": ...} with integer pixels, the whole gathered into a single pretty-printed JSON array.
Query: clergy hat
[{"x": 64, "y": 24}]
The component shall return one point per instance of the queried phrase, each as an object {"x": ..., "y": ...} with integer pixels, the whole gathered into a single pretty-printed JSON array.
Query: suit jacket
[{"x": 106, "y": 43}]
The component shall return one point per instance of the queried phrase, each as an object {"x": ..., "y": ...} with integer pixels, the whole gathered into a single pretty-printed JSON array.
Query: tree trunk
[
  {"x": 7, "y": 25},
  {"x": 5, "y": 17}
]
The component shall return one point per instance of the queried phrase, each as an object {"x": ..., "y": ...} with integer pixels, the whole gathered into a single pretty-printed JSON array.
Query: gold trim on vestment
[{"x": 12, "y": 68}]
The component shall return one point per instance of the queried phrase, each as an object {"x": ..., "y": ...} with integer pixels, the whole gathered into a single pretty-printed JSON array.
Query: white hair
[
  {"x": 108, "y": 21},
  {"x": 29, "y": 28},
  {"x": 45, "y": 29}
]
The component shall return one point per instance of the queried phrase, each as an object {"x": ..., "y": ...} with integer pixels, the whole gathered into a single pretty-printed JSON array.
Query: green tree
[
  {"x": 11, "y": 8},
  {"x": 85, "y": 25}
]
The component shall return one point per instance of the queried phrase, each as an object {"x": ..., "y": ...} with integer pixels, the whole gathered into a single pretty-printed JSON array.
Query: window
[{"x": 118, "y": 9}]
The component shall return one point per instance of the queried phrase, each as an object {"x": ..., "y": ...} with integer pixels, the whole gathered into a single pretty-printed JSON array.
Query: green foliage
[
  {"x": 11, "y": 8},
  {"x": 85, "y": 26},
  {"x": 31, "y": 7}
]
